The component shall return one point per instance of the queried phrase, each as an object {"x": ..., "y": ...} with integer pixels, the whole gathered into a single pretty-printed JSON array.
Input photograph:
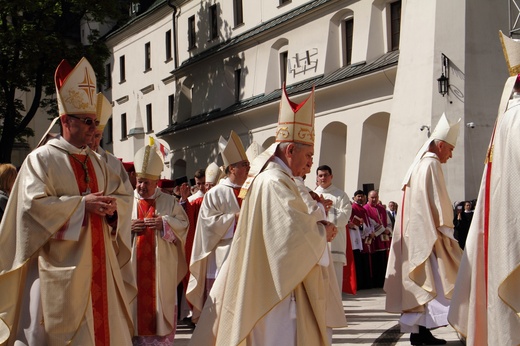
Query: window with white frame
[
  {"x": 348, "y": 34},
  {"x": 213, "y": 22},
  {"x": 147, "y": 56},
  {"x": 124, "y": 131},
  {"x": 283, "y": 67},
  {"x": 238, "y": 84},
  {"x": 192, "y": 39},
  {"x": 171, "y": 105},
  {"x": 238, "y": 12},
  {"x": 149, "y": 127},
  {"x": 168, "y": 44},
  {"x": 122, "y": 69},
  {"x": 395, "y": 24}
]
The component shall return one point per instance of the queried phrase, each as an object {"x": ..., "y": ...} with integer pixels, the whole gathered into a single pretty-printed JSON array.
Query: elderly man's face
[
  {"x": 98, "y": 136},
  {"x": 146, "y": 187},
  {"x": 444, "y": 151},
  {"x": 300, "y": 158},
  {"x": 373, "y": 198}
]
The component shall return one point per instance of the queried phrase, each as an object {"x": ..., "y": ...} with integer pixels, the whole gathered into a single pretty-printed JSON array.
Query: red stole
[
  {"x": 236, "y": 192},
  {"x": 146, "y": 274},
  {"x": 98, "y": 290}
]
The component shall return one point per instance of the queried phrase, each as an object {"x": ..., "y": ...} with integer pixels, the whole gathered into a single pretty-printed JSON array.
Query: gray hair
[{"x": 282, "y": 146}]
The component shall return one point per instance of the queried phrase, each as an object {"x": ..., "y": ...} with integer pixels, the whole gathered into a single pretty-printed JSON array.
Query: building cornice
[
  {"x": 139, "y": 23},
  {"x": 383, "y": 63},
  {"x": 261, "y": 32}
]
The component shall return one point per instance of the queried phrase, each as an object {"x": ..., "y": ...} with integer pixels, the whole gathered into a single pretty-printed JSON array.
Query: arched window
[{"x": 277, "y": 66}]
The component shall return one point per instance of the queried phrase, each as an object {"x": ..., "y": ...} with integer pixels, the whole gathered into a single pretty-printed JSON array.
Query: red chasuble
[
  {"x": 98, "y": 289},
  {"x": 146, "y": 275}
]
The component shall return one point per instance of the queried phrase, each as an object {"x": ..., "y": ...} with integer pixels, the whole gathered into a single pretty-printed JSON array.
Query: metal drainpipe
[{"x": 175, "y": 56}]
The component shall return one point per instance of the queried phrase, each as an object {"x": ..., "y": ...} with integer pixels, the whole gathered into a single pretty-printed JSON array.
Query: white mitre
[
  {"x": 148, "y": 164},
  {"x": 232, "y": 150},
  {"x": 444, "y": 131}
]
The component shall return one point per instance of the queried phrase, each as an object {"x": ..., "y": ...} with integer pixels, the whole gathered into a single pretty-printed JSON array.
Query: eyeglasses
[{"x": 86, "y": 121}]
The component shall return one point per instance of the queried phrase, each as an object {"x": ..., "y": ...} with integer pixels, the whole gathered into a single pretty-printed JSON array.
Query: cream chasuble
[
  {"x": 486, "y": 305},
  {"x": 47, "y": 254},
  {"x": 275, "y": 251},
  {"x": 117, "y": 167},
  {"x": 339, "y": 215},
  {"x": 170, "y": 262},
  {"x": 409, "y": 283},
  {"x": 216, "y": 218}
]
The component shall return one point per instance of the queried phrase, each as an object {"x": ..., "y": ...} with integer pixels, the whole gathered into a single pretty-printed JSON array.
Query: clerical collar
[
  {"x": 71, "y": 148},
  {"x": 228, "y": 182},
  {"x": 430, "y": 154},
  {"x": 284, "y": 165},
  {"x": 319, "y": 188}
]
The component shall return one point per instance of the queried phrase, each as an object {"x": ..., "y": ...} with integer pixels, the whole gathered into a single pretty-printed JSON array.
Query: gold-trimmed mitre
[
  {"x": 296, "y": 121},
  {"x": 103, "y": 111},
  {"x": 213, "y": 173},
  {"x": 232, "y": 150},
  {"x": 76, "y": 88},
  {"x": 148, "y": 164},
  {"x": 253, "y": 151},
  {"x": 511, "y": 50}
]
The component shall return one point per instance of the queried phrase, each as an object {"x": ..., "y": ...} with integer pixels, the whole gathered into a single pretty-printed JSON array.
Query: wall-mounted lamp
[
  {"x": 444, "y": 79},
  {"x": 426, "y": 127}
]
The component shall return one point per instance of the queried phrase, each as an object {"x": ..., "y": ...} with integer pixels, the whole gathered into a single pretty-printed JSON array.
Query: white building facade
[{"x": 190, "y": 71}]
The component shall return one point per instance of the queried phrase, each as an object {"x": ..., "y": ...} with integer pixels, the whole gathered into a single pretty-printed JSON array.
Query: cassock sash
[
  {"x": 86, "y": 179},
  {"x": 146, "y": 274},
  {"x": 349, "y": 284}
]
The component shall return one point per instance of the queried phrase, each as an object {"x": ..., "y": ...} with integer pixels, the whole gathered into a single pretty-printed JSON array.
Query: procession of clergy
[{"x": 89, "y": 259}]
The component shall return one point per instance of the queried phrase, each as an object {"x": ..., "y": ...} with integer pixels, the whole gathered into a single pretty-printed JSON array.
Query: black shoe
[
  {"x": 425, "y": 337},
  {"x": 188, "y": 322},
  {"x": 416, "y": 339}
]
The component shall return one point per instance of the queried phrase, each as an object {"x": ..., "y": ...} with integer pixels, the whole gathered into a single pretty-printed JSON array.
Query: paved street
[{"x": 369, "y": 324}]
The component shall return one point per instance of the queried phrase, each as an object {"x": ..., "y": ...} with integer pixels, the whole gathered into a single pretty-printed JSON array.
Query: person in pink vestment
[
  {"x": 380, "y": 237},
  {"x": 359, "y": 233}
]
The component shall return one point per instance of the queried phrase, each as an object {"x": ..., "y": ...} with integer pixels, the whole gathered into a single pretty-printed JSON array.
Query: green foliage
[{"x": 35, "y": 36}]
